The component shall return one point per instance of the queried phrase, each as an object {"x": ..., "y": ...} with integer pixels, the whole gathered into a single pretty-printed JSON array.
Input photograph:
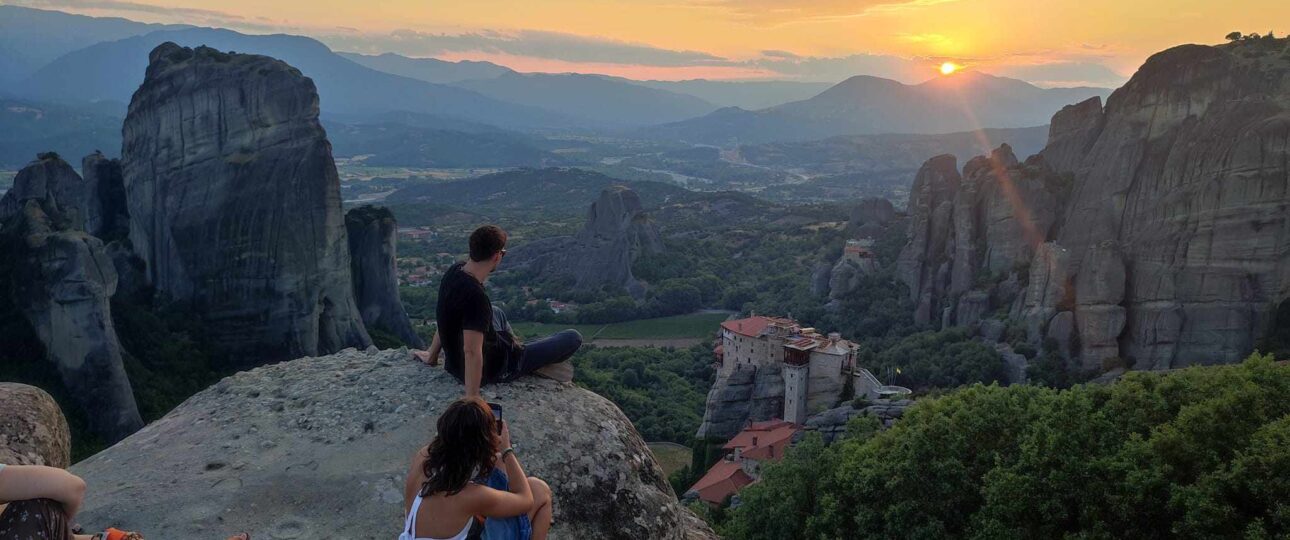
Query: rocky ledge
[{"x": 318, "y": 448}]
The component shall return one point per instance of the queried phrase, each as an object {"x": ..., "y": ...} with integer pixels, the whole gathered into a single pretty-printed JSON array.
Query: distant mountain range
[
  {"x": 71, "y": 66},
  {"x": 429, "y": 69},
  {"x": 871, "y": 105},
  {"x": 111, "y": 71},
  {"x": 31, "y": 38}
]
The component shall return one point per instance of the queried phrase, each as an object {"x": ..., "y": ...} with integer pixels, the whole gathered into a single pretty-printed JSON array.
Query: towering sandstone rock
[
  {"x": 617, "y": 231},
  {"x": 1165, "y": 215},
  {"x": 234, "y": 202},
  {"x": 319, "y": 447},
  {"x": 371, "y": 231},
  {"x": 62, "y": 281}
]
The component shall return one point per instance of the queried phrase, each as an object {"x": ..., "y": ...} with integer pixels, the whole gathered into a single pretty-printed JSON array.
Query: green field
[
  {"x": 694, "y": 325},
  {"x": 670, "y": 456}
]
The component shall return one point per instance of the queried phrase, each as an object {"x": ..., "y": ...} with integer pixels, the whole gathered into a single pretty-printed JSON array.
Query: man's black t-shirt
[{"x": 463, "y": 305}]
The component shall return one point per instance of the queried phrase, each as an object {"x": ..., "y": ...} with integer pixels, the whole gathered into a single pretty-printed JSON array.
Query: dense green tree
[{"x": 1198, "y": 453}]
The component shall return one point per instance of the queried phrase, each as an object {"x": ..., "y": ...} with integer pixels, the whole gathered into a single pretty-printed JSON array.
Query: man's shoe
[{"x": 559, "y": 371}]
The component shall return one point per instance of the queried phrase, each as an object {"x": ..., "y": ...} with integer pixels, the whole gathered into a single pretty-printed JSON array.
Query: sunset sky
[{"x": 1051, "y": 43}]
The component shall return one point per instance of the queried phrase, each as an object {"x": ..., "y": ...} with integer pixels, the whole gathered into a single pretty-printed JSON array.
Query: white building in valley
[{"x": 815, "y": 366}]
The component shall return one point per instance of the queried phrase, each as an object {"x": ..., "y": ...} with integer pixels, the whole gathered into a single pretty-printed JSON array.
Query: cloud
[
  {"x": 1065, "y": 73},
  {"x": 834, "y": 69},
  {"x": 132, "y": 7},
  {"x": 775, "y": 12},
  {"x": 531, "y": 43}
]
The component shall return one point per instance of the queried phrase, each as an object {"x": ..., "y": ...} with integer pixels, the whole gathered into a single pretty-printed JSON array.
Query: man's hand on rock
[{"x": 425, "y": 358}]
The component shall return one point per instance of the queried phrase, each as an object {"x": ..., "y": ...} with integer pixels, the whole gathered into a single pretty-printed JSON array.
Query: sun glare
[{"x": 948, "y": 68}]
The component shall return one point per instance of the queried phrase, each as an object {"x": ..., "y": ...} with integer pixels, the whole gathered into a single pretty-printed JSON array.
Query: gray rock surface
[
  {"x": 601, "y": 254},
  {"x": 319, "y": 447},
  {"x": 55, "y": 185},
  {"x": 926, "y": 252},
  {"x": 371, "y": 232},
  {"x": 33, "y": 430},
  {"x": 748, "y": 394},
  {"x": 235, "y": 203},
  {"x": 871, "y": 210},
  {"x": 1170, "y": 203},
  {"x": 107, "y": 215},
  {"x": 63, "y": 282},
  {"x": 845, "y": 276},
  {"x": 832, "y": 424}
]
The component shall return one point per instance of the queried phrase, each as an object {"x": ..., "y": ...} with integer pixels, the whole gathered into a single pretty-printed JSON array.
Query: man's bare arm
[
  {"x": 474, "y": 349},
  {"x": 435, "y": 348}
]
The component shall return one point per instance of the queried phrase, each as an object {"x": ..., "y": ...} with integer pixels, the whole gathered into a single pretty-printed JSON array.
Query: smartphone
[{"x": 497, "y": 415}]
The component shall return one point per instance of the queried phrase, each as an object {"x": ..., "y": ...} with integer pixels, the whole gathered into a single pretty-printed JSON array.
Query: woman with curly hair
[{"x": 448, "y": 491}]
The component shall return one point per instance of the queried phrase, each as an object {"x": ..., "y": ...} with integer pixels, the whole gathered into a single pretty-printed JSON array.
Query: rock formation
[
  {"x": 318, "y": 448},
  {"x": 1164, "y": 215},
  {"x": 617, "y": 231},
  {"x": 749, "y": 393},
  {"x": 33, "y": 430},
  {"x": 371, "y": 231},
  {"x": 234, "y": 203},
  {"x": 973, "y": 227},
  {"x": 107, "y": 215},
  {"x": 62, "y": 281}
]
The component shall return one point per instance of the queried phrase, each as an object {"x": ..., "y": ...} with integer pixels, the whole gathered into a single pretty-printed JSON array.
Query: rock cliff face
[
  {"x": 107, "y": 215},
  {"x": 749, "y": 393},
  {"x": 1165, "y": 215},
  {"x": 617, "y": 231},
  {"x": 318, "y": 448},
  {"x": 62, "y": 281},
  {"x": 234, "y": 202},
  {"x": 371, "y": 231},
  {"x": 33, "y": 430}
]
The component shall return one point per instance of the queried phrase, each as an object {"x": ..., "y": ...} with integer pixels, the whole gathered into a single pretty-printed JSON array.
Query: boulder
[
  {"x": 319, "y": 448},
  {"x": 234, "y": 203},
  {"x": 371, "y": 232},
  {"x": 33, "y": 430}
]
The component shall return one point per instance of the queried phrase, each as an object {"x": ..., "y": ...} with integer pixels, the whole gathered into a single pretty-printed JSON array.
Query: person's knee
[{"x": 541, "y": 491}]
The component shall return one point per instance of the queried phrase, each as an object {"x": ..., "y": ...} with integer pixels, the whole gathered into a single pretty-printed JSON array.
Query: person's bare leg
[{"x": 540, "y": 516}]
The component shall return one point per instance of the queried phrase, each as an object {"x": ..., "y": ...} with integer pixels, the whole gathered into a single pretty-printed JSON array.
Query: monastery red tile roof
[
  {"x": 753, "y": 326},
  {"x": 723, "y": 480}
]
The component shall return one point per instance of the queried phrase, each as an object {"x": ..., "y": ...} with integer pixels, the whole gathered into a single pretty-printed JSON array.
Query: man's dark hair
[{"x": 486, "y": 241}]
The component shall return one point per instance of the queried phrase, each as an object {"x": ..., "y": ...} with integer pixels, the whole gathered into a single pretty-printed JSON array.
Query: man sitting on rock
[{"x": 477, "y": 341}]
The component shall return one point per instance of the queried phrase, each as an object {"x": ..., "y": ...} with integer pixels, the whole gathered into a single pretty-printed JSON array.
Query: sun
[{"x": 948, "y": 68}]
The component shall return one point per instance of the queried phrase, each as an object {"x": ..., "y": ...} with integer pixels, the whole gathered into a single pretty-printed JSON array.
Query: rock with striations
[
  {"x": 319, "y": 448},
  {"x": 1189, "y": 175},
  {"x": 107, "y": 215},
  {"x": 234, "y": 203},
  {"x": 33, "y": 430},
  {"x": 617, "y": 231},
  {"x": 748, "y": 394},
  {"x": 871, "y": 210},
  {"x": 926, "y": 252},
  {"x": 371, "y": 231},
  {"x": 975, "y": 229},
  {"x": 1168, "y": 205},
  {"x": 62, "y": 282}
]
